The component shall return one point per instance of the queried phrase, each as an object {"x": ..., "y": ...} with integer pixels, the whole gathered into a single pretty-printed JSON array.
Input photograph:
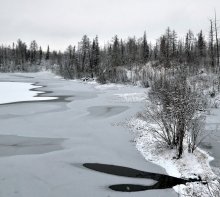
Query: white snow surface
[
  {"x": 109, "y": 86},
  {"x": 132, "y": 97},
  {"x": 16, "y": 92}
]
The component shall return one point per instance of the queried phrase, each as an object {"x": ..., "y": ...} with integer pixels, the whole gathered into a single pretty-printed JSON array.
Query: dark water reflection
[{"x": 163, "y": 181}]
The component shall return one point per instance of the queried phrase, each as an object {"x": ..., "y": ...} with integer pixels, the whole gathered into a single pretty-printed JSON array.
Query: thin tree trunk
[
  {"x": 217, "y": 44},
  {"x": 211, "y": 45}
]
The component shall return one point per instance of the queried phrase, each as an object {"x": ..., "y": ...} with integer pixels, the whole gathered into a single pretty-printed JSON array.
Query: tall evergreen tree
[
  {"x": 47, "y": 57},
  {"x": 33, "y": 51},
  {"x": 145, "y": 49},
  {"x": 40, "y": 55},
  {"x": 211, "y": 45},
  {"x": 217, "y": 43},
  {"x": 84, "y": 54},
  {"x": 201, "y": 45},
  {"x": 116, "y": 61}
]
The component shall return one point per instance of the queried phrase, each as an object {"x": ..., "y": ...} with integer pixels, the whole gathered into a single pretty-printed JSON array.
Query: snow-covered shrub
[
  {"x": 173, "y": 111},
  {"x": 195, "y": 133}
]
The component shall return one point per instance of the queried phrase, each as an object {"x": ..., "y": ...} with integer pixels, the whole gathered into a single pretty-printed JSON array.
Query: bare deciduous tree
[{"x": 174, "y": 110}]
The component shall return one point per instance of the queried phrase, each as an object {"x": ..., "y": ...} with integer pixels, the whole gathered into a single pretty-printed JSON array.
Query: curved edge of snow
[
  {"x": 13, "y": 92},
  {"x": 189, "y": 166}
]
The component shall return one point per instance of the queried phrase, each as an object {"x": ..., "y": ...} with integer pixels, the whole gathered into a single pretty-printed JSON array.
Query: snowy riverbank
[
  {"x": 196, "y": 165},
  {"x": 189, "y": 166}
]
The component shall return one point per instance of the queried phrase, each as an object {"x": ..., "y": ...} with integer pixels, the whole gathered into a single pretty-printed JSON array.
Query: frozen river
[{"x": 44, "y": 143}]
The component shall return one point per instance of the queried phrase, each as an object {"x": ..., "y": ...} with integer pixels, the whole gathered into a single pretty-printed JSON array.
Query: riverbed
[{"x": 44, "y": 143}]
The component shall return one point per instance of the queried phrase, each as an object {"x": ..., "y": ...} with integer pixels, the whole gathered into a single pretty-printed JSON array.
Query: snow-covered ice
[
  {"x": 16, "y": 145},
  {"x": 87, "y": 120}
]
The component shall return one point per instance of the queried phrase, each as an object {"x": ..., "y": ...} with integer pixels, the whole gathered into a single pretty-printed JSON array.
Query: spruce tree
[
  {"x": 145, "y": 49},
  {"x": 47, "y": 57},
  {"x": 40, "y": 55}
]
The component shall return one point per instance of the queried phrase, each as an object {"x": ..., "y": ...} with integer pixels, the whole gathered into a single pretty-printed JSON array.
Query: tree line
[{"x": 112, "y": 61}]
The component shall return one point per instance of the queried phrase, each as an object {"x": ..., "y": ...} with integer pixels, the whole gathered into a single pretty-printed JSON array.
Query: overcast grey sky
[{"x": 63, "y": 22}]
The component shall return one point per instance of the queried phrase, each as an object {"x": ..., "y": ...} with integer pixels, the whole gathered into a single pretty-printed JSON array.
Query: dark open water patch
[{"x": 163, "y": 181}]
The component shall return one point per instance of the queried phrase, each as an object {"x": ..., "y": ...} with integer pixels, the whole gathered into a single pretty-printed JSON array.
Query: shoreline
[{"x": 191, "y": 165}]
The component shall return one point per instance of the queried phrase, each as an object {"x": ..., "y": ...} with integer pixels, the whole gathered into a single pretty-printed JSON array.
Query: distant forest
[{"x": 112, "y": 62}]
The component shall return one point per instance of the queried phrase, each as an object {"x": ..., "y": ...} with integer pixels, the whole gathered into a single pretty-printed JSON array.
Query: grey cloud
[{"x": 58, "y": 23}]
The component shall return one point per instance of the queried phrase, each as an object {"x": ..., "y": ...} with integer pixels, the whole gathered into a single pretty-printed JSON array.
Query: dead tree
[
  {"x": 211, "y": 44},
  {"x": 217, "y": 43}
]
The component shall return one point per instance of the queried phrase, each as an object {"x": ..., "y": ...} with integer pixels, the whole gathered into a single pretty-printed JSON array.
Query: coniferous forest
[{"x": 111, "y": 62}]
